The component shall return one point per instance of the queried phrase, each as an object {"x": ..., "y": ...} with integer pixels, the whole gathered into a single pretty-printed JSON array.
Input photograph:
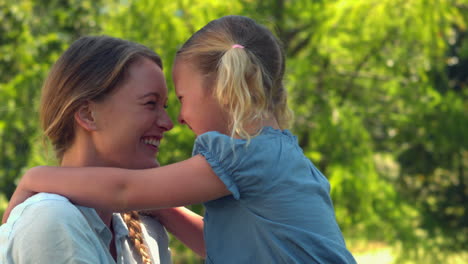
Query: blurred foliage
[{"x": 379, "y": 90}]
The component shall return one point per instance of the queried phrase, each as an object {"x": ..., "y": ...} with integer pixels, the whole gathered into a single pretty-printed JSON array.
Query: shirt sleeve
[
  {"x": 225, "y": 156},
  {"x": 52, "y": 232}
]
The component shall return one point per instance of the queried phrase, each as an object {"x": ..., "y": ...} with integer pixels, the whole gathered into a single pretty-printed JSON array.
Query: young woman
[{"x": 103, "y": 104}]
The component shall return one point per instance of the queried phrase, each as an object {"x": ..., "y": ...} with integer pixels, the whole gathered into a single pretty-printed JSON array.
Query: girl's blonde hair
[
  {"x": 246, "y": 79},
  {"x": 89, "y": 70}
]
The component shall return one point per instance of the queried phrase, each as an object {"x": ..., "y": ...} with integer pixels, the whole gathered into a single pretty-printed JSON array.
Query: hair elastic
[{"x": 237, "y": 46}]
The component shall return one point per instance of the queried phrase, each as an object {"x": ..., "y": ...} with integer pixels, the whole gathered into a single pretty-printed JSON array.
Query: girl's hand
[
  {"x": 184, "y": 224},
  {"x": 19, "y": 196}
]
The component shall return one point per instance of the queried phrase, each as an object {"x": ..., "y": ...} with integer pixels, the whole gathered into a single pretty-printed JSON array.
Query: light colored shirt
[
  {"x": 155, "y": 238},
  {"x": 47, "y": 228},
  {"x": 280, "y": 210}
]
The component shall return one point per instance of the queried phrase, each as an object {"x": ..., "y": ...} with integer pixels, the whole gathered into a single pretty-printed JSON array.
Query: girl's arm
[
  {"x": 18, "y": 197},
  {"x": 187, "y": 182},
  {"x": 184, "y": 224}
]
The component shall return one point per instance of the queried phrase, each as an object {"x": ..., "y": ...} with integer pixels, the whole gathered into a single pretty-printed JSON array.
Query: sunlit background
[{"x": 379, "y": 89}]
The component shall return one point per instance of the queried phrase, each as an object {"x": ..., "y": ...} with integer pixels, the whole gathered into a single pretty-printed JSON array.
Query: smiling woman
[
  {"x": 127, "y": 126},
  {"x": 103, "y": 104}
]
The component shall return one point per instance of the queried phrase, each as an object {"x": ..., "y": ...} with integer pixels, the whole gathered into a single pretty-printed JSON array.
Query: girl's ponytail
[{"x": 239, "y": 87}]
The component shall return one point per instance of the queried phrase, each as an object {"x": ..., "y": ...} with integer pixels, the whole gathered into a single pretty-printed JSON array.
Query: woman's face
[{"x": 131, "y": 121}]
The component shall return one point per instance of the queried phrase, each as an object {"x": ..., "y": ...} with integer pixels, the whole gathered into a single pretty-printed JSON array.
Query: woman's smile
[{"x": 151, "y": 142}]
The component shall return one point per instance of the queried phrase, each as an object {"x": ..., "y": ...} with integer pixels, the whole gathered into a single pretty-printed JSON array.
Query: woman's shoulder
[
  {"x": 43, "y": 218},
  {"x": 46, "y": 202},
  {"x": 45, "y": 209}
]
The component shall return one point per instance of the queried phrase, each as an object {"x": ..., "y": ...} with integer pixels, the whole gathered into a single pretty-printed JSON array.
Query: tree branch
[{"x": 361, "y": 64}]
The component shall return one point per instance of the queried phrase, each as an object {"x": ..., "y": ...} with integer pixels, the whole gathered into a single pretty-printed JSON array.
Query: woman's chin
[{"x": 147, "y": 164}]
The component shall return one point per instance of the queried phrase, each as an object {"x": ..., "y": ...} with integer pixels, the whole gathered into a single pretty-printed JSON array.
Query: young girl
[{"x": 265, "y": 201}]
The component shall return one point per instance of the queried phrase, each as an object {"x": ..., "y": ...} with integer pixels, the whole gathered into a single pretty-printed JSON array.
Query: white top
[{"x": 48, "y": 228}]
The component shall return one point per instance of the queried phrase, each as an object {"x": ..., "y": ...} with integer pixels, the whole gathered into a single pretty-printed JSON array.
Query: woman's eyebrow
[{"x": 149, "y": 94}]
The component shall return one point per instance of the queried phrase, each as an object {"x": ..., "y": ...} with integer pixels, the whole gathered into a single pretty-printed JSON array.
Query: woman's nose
[{"x": 165, "y": 121}]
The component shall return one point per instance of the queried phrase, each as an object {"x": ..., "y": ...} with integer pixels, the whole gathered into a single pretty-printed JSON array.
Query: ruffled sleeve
[{"x": 225, "y": 156}]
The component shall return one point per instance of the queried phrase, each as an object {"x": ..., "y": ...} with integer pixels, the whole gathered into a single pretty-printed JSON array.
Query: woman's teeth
[{"x": 151, "y": 141}]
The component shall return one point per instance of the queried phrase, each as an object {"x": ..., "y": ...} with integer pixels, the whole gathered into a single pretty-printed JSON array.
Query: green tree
[
  {"x": 378, "y": 88},
  {"x": 33, "y": 35}
]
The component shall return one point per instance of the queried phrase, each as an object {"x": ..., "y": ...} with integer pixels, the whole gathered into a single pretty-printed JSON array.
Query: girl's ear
[{"x": 85, "y": 118}]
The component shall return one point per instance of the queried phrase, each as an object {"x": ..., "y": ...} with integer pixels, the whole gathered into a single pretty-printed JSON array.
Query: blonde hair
[
  {"x": 89, "y": 70},
  {"x": 247, "y": 81},
  {"x": 132, "y": 220}
]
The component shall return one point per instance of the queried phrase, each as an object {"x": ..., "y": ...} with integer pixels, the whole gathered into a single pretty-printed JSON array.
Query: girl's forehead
[
  {"x": 178, "y": 64},
  {"x": 186, "y": 63},
  {"x": 182, "y": 70}
]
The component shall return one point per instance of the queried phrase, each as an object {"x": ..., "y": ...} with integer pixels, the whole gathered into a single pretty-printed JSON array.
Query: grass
[
  {"x": 373, "y": 252},
  {"x": 382, "y": 253}
]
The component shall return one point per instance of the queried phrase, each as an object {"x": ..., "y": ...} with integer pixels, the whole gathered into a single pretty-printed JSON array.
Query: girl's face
[
  {"x": 131, "y": 121},
  {"x": 200, "y": 110}
]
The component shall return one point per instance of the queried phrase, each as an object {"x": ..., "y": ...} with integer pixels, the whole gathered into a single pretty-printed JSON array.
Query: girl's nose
[{"x": 180, "y": 119}]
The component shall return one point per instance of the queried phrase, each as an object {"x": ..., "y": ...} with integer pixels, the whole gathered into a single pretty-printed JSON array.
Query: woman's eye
[{"x": 150, "y": 103}]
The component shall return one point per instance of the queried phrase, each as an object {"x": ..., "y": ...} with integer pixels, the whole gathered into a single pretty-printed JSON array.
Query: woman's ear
[{"x": 85, "y": 117}]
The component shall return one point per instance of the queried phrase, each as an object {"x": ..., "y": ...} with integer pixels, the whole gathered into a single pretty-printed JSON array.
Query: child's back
[{"x": 280, "y": 210}]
